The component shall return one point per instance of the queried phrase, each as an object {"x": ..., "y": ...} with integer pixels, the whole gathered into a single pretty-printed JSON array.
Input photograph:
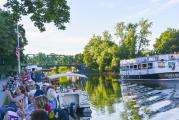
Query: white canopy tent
[{"x": 67, "y": 75}]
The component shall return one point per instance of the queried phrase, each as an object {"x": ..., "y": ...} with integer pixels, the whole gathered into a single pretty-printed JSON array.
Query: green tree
[
  {"x": 101, "y": 53},
  {"x": 40, "y": 11},
  {"x": 106, "y": 36},
  {"x": 168, "y": 42},
  {"x": 128, "y": 46},
  {"x": 144, "y": 32},
  {"x": 120, "y": 31},
  {"x": 92, "y": 51},
  {"x": 79, "y": 58},
  {"x": 8, "y": 37},
  {"x": 133, "y": 38}
]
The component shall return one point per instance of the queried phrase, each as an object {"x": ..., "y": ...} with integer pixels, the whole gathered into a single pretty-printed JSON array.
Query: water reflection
[
  {"x": 105, "y": 96},
  {"x": 104, "y": 93},
  {"x": 153, "y": 100}
]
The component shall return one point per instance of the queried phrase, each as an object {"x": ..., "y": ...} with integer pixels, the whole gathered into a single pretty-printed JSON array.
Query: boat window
[
  {"x": 161, "y": 64},
  {"x": 150, "y": 65},
  {"x": 171, "y": 57},
  {"x": 171, "y": 64},
  {"x": 144, "y": 66},
  {"x": 131, "y": 67},
  {"x": 135, "y": 67},
  {"x": 127, "y": 67},
  {"x": 139, "y": 66}
]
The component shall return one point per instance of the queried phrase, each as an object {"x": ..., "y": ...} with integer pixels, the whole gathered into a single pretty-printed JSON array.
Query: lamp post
[{"x": 18, "y": 51}]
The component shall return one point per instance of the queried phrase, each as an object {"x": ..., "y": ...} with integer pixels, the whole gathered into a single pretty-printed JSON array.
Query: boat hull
[{"x": 162, "y": 76}]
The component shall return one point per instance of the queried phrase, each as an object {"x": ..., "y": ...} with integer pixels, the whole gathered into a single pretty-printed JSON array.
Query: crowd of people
[{"x": 31, "y": 99}]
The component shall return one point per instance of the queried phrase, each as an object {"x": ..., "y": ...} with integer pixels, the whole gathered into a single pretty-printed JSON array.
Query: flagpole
[{"x": 18, "y": 57}]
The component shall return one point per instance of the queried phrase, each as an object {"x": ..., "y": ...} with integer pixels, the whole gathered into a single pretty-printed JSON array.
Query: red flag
[{"x": 17, "y": 52}]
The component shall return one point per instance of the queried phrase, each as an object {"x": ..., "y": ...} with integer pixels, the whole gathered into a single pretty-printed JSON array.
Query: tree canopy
[
  {"x": 8, "y": 39},
  {"x": 101, "y": 53},
  {"x": 168, "y": 42},
  {"x": 40, "y": 11},
  {"x": 133, "y": 37}
]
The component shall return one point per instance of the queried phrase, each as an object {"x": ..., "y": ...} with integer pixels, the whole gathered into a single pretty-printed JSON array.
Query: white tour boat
[{"x": 163, "y": 67}]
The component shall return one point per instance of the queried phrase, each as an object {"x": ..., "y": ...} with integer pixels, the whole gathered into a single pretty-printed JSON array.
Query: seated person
[
  {"x": 16, "y": 101},
  {"x": 52, "y": 98},
  {"x": 41, "y": 102}
]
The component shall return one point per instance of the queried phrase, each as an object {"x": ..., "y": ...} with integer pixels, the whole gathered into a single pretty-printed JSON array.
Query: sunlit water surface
[{"x": 107, "y": 102}]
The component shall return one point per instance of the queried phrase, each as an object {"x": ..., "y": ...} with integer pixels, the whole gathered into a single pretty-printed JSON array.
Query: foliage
[
  {"x": 101, "y": 53},
  {"x": 52, "y": 59},
  {"x": 128, "y": 46},
  {"x": 57, "y": 70},
  {"x": 168, "y": 42},
  {"x": 120, "y": 31},
  {"x": 133, "y": 38},
  {"x": 8, "y": 38},
  {"x": 143, "y": 35},
  {"x": 40, "y": 11},
  {"x": 79, "y": 58}
]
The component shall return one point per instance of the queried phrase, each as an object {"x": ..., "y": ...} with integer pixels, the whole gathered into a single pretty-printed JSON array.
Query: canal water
[
  {"x": 104, "y": 94},
  {"x": 139, "y": 100},
  {"x": 105, "y": 97}
]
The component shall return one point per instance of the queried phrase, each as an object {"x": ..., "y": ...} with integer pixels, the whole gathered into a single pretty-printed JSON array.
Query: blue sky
[{"x": 90, "y": 17}]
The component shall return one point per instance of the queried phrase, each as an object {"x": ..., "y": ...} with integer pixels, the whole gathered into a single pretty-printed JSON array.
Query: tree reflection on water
[{"x": 103, "y": 92}]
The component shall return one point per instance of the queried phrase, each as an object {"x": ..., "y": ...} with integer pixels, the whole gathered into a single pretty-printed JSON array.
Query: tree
[
  {"x": 133, "y": 38},
  {"x": 106, "y": 36},
  {"x": 120, "y": 31},
  {"x": 168, "y": 42},
  {"x": 8, "y": 39},
  {"x": 101, "y": 54},
  {"x": 92, "y": 51},
  {"x": 79, "y": 58},
  {"x": 128, "y": 46},
  {"x": 144, "y": 32},
  {"x": 40, "y": 11}
]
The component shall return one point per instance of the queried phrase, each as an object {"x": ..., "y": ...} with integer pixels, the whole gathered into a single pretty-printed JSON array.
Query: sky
[{"x": 90, "y": 17}]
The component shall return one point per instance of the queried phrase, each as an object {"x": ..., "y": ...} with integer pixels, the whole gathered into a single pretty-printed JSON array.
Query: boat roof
[
  {"x": 67, "y": 75},
  {"x": 151, "y": 58}
]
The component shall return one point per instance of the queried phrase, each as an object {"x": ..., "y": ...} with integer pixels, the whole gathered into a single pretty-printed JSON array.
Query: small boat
[
  {"x": 72, "y": 98},
  {"x": 155, "y": 67}
]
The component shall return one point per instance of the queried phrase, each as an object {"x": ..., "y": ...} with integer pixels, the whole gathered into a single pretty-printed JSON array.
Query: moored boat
[{"x": 163, "y": 67}]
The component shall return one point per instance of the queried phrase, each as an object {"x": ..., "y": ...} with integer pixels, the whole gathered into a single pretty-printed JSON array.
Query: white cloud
[
  {"x": 168, "y": 4},
  {"x": 157, "y": 7}
]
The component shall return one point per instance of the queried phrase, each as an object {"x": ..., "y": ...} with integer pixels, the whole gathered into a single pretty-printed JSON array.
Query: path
[{"x": 2, "y": 94}]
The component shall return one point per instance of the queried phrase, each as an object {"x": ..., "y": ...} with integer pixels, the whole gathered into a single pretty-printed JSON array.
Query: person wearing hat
[{"x": 38, "y": 91}]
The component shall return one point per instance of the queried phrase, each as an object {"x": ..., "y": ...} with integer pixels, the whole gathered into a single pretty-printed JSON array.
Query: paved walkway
[{"x": 2, "y": 94}]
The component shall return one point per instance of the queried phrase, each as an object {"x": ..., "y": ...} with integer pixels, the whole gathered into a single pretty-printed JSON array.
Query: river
[
  {"x": 112, "y": 100},
  {"x": 105, "y": 96}
]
